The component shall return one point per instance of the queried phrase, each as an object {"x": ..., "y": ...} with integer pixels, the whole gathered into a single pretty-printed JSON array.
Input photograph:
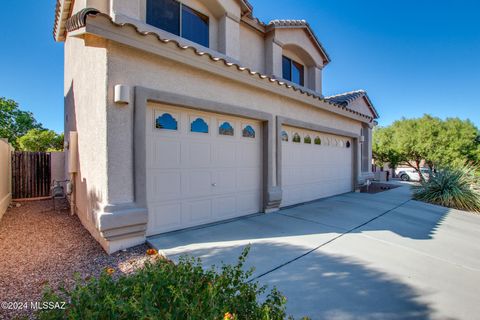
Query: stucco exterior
[
  {"x": 5, "y": 176},
  {"x": 119, "y": 48}
]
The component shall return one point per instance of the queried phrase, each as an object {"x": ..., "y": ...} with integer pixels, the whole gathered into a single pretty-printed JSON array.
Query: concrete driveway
[{"x": 354, "y": 256}]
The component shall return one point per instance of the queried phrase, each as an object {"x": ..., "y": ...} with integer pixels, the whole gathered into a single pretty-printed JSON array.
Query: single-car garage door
[
  {"x": 201, "y": 168},
  {"x": 314, "y": 165}
]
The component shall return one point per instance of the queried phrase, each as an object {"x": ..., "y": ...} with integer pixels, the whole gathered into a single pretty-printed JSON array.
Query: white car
[{"x": 409, "y": 174}]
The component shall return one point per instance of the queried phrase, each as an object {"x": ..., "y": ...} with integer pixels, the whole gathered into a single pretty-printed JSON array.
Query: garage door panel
[
  {"x": 248, "y": 202},
  {"x": 249, "y": 179},
  {"x": 225, "y": 207},
  {"x": 199, "y": 211},
  {"x": 199, "y": 155},
  {"x": 292, "y": 195},
  {"x": 199, "y": 183},
  {"x": 248, "y": 156},
  {"x": 313, "y": 171},
  {"x": 165, "y": 154},
  {"x": 195, "y": 178},
  {"x": 164, "y": 185},
  {"x": 226, "y": 181},
  {"x": 225, "y": 154},
  {"x": 165, "y": 217}
]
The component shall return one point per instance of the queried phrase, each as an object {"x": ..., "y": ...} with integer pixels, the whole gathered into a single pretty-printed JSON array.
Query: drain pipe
[{"x": 72, "y": 169}]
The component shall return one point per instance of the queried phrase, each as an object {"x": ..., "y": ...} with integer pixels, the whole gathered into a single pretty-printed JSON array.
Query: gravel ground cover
[{"x": 40, "y": 246}]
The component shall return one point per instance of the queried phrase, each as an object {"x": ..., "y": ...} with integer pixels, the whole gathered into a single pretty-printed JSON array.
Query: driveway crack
[{"x": 328, "y": 242}]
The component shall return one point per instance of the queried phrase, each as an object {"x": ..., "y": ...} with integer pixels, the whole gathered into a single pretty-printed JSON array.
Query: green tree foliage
[
  {"x": 14, "y": 122},
  {"x": 441, "y": 143},
  {"x": 41, "y": 140}
]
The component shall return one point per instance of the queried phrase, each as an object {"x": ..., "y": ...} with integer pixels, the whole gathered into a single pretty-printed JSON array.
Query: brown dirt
[{"x": 39, "y": 246}]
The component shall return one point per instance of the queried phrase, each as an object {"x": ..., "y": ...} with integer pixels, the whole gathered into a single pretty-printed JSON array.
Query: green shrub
[
  {"x": 452, "y": 188},
  {"x": 163, "y": 290}
]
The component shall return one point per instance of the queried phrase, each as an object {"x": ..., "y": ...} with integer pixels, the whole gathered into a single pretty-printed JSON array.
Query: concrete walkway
[{"x": 354, "y": 256}]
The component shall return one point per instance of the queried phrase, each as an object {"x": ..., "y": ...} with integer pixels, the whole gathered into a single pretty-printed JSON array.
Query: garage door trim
[{"x": 284, "y": 121}]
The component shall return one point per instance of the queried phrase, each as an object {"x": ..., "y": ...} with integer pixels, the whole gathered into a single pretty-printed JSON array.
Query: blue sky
[{"x": 413, "y": 57}]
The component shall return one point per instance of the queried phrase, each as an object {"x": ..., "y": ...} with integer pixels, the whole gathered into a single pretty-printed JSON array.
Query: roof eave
[
  {"x": 62, "y": 12},
  {"x": 313, "y": 36}
]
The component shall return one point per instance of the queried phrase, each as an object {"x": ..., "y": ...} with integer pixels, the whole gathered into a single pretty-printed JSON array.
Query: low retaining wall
[{"x": 5, "y": 176}]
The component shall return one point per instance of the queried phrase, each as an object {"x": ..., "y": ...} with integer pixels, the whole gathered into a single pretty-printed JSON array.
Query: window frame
[
  {"x": 180, "y": 21},
  {"x": 293, "y": 64}
]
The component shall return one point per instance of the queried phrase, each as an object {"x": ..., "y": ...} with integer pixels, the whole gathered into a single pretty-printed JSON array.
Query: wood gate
[{"x": 31, "y": 174}]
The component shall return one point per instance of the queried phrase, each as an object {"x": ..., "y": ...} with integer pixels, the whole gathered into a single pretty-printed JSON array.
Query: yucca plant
[{"x": 452, "y": 188}]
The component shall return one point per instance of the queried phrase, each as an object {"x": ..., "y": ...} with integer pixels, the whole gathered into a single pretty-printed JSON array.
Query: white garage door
[
  {"x": 314, "y": 165},
  {"x": 201, "y": 168}
]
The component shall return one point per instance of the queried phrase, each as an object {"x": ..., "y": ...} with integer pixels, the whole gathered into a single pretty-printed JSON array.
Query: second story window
[
  {"x": 293, "y": 71},
  {"x": 179, "y": 19}
]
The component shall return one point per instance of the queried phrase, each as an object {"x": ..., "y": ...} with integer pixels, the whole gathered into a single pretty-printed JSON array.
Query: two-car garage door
[
  {"x": 205, "y": 167},
  {"x": 201, "y": 168},
  {"x": 314, "y": 165}
]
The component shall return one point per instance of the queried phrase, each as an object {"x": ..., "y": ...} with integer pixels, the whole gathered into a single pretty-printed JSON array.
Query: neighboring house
[{"x": 193, "y": 112}]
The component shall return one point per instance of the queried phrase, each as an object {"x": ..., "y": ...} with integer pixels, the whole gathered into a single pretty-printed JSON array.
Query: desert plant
[
  {"x": 164, "y": 290},
  {"x": 452, "y": 188}
]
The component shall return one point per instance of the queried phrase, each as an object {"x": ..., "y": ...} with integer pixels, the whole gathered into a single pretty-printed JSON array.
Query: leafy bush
[
  {"x": 163, "y": 290},
  {"x": 453, "y": 188}
]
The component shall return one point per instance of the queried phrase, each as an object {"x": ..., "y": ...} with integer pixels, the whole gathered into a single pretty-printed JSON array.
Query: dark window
[
  {"x": 348, "y": 144},
  {"x": 293, "y": 71},
  {"x": 248, "y": 132},
  {"x": 226, "y": 129},
  {"x": 194, "y": 26},
  {"x": 199, "y": 126},
  {"x": 167, "y": 122},
  {"x": 287, "y": 68},
  {"x": 164, "y": 14},
  {"x": 179, "y": 19},
  {"x": 318, "y": 141},
  {"x": 284, "y": 136},
  {"x": 307, "y": 140}
]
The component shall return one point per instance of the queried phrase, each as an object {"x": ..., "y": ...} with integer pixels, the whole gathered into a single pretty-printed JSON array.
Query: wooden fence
[{"x": 31, "y": 174}]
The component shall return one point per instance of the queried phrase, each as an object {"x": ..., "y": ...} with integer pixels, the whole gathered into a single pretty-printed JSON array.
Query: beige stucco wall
[
  {"x": 360, "y": 105},
  {"x": 298, "y": 37},
  {"x": 57, "y": 166},
  {"x": 5, "y": 176},
  {"x": 252, "y": 49},
  {"x": 136, "y": 68},
  {"x": 85, "y": 112}
]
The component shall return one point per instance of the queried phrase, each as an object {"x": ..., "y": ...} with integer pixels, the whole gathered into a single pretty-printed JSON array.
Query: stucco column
[
  {"x": 122, "y": 8},
  {"x": 229, "y": 36},
  {"x": 315, "y": 78},
  {"x": 369, "y": 149},
  {"x": 273, "y": 56},
  {"x": 358, "y": 159}
]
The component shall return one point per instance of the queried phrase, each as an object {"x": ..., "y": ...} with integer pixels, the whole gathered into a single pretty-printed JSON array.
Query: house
[{"x": 179, "y": 114}]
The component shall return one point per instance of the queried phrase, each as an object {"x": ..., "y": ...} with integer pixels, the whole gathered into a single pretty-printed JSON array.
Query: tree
[
  {"x": 448, "y": 143},
  {"x": 41, "y": 140},
  {"x": 14, "y": 122},
  {"x": 383, "y": 151}
]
